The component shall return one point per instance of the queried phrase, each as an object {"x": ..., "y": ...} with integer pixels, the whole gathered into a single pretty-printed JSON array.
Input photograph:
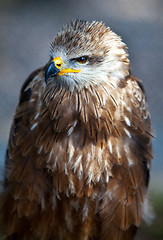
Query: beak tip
[{"x": 51, "y": 71}]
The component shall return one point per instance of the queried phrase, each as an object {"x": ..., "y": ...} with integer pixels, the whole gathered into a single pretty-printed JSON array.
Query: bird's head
[{"x": 86, "y": 53}]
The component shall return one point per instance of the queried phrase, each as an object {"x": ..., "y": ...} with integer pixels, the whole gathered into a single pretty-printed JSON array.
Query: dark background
[{"x": 26, "y": 29}]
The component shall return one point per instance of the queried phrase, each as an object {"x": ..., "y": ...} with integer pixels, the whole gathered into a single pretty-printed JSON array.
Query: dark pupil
[{"x": 82, "y": 59}]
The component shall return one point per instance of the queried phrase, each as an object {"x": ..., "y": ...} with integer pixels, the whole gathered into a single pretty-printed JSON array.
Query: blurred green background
[{"x": 26, "y": 29}]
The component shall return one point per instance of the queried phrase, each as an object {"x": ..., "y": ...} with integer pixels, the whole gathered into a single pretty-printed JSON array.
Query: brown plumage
[{"x": 79, "y": 152}]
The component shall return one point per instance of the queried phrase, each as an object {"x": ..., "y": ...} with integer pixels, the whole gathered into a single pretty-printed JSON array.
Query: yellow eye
[{"x": 82, "y": 59}]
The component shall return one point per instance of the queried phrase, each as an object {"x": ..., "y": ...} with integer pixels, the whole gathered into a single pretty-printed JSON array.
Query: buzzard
[{"x": 78, "y": 158}]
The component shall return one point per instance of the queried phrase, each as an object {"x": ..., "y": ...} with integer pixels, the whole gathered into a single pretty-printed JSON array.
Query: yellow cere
[{"x": 58, "y": 64}]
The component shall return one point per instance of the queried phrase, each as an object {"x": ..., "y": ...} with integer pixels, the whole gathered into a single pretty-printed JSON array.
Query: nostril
[{"x": 58, "y": 62}]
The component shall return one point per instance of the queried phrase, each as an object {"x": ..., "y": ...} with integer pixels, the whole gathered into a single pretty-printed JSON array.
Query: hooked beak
[{"x": 54, "y": 69}]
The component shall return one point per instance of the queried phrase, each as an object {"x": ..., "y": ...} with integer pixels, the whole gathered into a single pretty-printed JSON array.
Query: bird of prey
[{"x": 79, "y": 152}]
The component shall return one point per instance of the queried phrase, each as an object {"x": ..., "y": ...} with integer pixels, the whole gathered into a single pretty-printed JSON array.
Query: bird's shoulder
[
  {"x": 27, "y": 108},
  {"x": 136, "y": 106}
]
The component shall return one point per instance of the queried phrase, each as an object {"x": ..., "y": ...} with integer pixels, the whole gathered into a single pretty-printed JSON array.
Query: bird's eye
[{"x": 82, "y": 59}]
